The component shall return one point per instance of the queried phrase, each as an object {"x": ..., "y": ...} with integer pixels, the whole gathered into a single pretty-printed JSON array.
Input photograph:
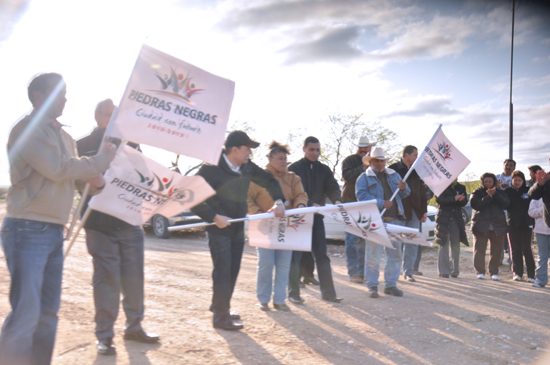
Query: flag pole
[{"x": 412, "y": 168}]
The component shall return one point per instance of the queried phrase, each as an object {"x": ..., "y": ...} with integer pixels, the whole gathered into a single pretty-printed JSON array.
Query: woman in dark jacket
[
  {"x": 450, "y": 229},
  {"x": 488, "y": 223},
  {"x": 519, "y": 227}
]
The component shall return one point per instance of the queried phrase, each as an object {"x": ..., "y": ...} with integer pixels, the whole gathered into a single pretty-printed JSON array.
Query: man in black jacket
[
  {"x": 318, "y": 182},
  {"x": 117, "y": 249},
  {"x": 450, "y": 229},
  {"x": 231, "y": 179},
  {"x": 352, "y": 167},
  {"x": 415, "y": 206}
]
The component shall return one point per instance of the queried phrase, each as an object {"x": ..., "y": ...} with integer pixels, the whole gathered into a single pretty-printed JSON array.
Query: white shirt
[
  {"x": 234, "y": 168},
  {"x": 536, "y": 211}
]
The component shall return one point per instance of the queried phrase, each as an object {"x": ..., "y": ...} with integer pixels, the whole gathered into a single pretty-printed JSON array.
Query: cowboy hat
[
  {"x": 364, "y": 142},
  {"x": 377, "y": 153}
]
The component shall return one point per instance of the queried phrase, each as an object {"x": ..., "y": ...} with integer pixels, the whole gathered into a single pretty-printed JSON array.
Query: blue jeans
[
  {"x": 410, "y": 251},
  {"x": 373, "y": 255},
  {"x": 267, "y": 259},
  {"x": 355, "y": 255},
  {"x": 226, "y": 252},
  {"x": 34, "y": 254},
  {"x": 541, "y": 274}
]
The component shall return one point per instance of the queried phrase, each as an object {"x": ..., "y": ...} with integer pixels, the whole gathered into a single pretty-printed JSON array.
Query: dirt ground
[{"x": 438, "y": 321}]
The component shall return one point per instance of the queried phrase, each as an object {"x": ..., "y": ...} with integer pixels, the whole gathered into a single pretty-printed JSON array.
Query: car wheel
[
  {"x": 465, "y": 217},
  {"x": 160, "y": 226}
]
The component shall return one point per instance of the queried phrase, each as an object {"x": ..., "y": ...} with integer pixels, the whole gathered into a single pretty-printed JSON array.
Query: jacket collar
[
  {"x": 269, "y": 168},
  {"x": 370, "y": 172}
]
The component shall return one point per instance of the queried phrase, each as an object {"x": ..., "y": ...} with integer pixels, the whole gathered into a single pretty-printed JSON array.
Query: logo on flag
[
  {"x": 444, "y": 151},
  {"x": 180, "y": 86}
]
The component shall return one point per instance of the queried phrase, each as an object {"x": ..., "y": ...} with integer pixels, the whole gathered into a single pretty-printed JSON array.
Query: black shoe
[
  {"x": 281, "y": 307},
  {"x": 142, "y": 336},
  {"x": 263, "y": 306},
  {"x": 311, "y": 281},
  {"x": 393, "y": 291},
  {"x": 445, "y": 276},
  {"x": 333, "y": 299},
  {"x": 409, "y": 278},
  {"x": 229, "y": 326},
  {"x": 296, "y": 300},
  {"x": 106, "y": 346},
  {"x": 234, "y": 315},
  {"x": 373, "y": 293},
  {"x": 454, "y": 276},
  {"x": 301, "y": 285}
]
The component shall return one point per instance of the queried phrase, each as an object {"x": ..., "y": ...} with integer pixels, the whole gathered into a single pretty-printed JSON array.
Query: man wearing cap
[
  {"x": 379, "y": 183},
  {"x": 416, "y": 208},
  {"x": 318, "y": 182},
  {"x": 352, "y": 167},
  {"x": 231, "y": 179}
]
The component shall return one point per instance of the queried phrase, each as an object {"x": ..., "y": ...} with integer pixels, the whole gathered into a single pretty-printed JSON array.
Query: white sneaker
[
  {"x": 495, "y": 278},
  {"x": 517, "y": 278},
  {"x": 481, "y": 276},
  {"x": 530, "y": 280}
]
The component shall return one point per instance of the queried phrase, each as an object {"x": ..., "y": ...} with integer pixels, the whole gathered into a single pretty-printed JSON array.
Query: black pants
[
  {"x": 520, "y": 246},
  {"x": 319, "y": 251},
  {"x": 226, "y": 252},
  {"x": 307, "y": 265}
]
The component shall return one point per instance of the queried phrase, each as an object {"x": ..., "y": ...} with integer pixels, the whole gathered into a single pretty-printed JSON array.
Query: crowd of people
[{"x": 47, "y": 165}]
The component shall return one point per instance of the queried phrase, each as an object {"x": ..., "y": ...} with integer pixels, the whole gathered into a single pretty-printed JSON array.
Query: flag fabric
[
  {"x": 173, "y": 105},
  {"x": 292, "y": 232},
  {"x": 361, "y": 219},
  {"x": 406, "y": 235},
  {"x": 137, "y": 187},
  {"x": 440, "y": 163}
]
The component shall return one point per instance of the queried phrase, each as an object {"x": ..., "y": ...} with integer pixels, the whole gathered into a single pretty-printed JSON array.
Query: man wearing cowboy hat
[
  {"x": 379, "y": 183},
  {"x": 352, "y": 167}
]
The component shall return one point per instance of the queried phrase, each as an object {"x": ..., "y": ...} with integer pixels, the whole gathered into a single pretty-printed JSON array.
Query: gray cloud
[
  {"x": 334, "y": 45},
  {"x": 428, "y": 107},
  {"x": 405, "y": 30}
]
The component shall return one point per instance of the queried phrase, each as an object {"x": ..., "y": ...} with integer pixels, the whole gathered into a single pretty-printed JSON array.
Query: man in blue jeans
[
  {"x": 231, "y": 179},
  {"x": 352, "y": 167},
  {"x": 43, "y": 171},
  {"x": 415, "y": 206},
  {"x": 379, "y": 183}
]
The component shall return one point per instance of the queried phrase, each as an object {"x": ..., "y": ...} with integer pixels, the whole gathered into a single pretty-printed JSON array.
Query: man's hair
[
  {"x": 509, "y": 160},
  {"x": 492, "y": 176},
  {"x": 43, "y": 83},
  {"x": 520, "y": 174},
  {"x": 101, "y": 105},
  {"x": 309, "y": 140},
  {"x": 534, "y": 168},
  {"x": 276, "y": 147},
  {"x": 409, "y": 149}
]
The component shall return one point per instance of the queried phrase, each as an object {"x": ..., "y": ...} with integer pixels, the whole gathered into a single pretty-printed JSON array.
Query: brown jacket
[
  {"x": 260, "y": 201},
  {"x": 43, "y": 169}
]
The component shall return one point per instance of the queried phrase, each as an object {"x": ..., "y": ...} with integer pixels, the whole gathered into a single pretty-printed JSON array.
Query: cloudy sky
[{"x": 410, "y": 65}]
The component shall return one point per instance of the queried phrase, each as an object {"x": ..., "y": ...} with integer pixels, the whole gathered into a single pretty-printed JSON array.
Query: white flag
[
  {"x": 406, "y": 235},
  {"x": 173, "y": 105},
  {"x": 292, "y": 232},
  {"x": 137, "y": 187},
  {"x": 440, "y": 163},
  {"x": 361, "y": 219}
]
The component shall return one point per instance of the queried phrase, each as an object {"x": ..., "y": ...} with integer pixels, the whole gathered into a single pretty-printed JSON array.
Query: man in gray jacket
[{"x": 44, "y": 169}]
